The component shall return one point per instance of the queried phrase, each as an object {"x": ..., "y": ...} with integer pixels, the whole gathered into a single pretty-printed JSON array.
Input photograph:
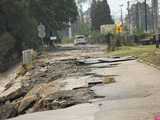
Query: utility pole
[
  {"x": 129, "y": 17},
  {"x": 152, "y": 23},
  {"x": 137, "y": 16},
  {"x": 155, "y": 17},
  {"x": 146, "y": 17},
  {"x": 70, "y": 30},
  {"x": 122, "y": 14}
]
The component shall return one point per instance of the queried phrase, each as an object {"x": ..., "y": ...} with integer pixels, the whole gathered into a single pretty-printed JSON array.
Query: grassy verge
[
  {"x": 148, "y": 54},
  {"x": 67, "y": 41}
]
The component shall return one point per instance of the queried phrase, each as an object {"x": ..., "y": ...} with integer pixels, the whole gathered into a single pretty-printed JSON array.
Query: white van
[{"x": 80, "y": 40}]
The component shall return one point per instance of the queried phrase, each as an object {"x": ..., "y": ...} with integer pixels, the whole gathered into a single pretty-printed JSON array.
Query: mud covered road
[{"x": 81, "y": 83}]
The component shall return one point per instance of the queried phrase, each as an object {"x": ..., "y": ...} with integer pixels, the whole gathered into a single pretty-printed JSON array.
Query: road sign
[
  {"x": 42, "y": 34},
  {"x": 119, "y": 28},
  {"x": 41, "y": 31},
  {"x": 41, "y": 27},
  {"x": 53, "y": 38}
]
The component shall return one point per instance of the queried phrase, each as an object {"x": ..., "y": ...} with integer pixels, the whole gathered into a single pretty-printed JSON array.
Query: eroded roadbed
[{"x": 53, "y": 85}]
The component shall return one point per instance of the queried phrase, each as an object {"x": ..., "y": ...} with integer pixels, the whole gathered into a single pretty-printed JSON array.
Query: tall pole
[
  {"x": 152, "y": 23},
  {"x": 122, "y": 14},
  {"x": 155, "y": 17},
  {"x": 146, "y": 17},
  {"x": 129, "y": 17},
  {"x": 137, "y": 16},
  {"x": 70, "y": 30}
]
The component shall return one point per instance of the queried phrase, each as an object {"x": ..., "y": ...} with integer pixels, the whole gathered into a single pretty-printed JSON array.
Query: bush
[
  {"x": 140, "y": 36},
  {"x": 99, "y": 38},
  {"x": 67, "y": 40}
]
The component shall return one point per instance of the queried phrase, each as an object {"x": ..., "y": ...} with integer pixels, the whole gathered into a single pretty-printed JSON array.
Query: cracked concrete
[{"x": 134, "y": 96}]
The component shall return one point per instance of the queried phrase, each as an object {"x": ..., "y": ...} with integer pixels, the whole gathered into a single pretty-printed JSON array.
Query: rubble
[
  {"x": 26, "y": 103},
  {"x": 104, "y": 60},
  {"x": 7, "y": 111},
  {"x": 14, "y": 92},
  {"x": 63, "y": 99},
  {"x": 52, "y": 85},
  {"x": 40, "y": 89},
  {"x": 116, "y": 59}
]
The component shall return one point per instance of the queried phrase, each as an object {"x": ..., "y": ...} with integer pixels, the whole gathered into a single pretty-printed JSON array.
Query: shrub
[
  {"x": 67, "y": 40},
  {"x": 99, "y": 38}
]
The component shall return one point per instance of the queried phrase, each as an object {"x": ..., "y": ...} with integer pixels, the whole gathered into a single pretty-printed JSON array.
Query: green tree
[
  {"x": 55, "y": 14},
  {"x": 19, "y": 20},
  {"x": 100, "y": 14}
]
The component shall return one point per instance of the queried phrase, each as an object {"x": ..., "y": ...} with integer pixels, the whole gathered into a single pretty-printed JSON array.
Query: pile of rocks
[{"x": 39, "y": 89}]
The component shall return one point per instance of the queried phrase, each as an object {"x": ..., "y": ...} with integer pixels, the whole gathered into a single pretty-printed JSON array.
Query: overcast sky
[{"x": 115, "y": 7}]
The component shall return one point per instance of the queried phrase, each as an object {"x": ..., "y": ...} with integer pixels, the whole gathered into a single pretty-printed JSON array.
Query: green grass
[
  {"x": 148, "y": 53},
  {"x": 67, "y": 40}
]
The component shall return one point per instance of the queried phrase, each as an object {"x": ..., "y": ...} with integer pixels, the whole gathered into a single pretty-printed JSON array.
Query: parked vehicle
[{"x": 80, "y": 40}]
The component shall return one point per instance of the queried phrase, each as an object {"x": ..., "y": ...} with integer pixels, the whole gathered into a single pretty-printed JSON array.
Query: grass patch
[
  {"x": 66, "y": 40},
  {"x": 148, "y": 53}
]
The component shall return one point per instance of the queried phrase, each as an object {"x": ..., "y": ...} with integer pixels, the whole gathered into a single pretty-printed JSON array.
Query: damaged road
[
  {"x": 81, "y": 84},
  {"x": 49, "y": 84},
  {"x": 41, "y": 89}
]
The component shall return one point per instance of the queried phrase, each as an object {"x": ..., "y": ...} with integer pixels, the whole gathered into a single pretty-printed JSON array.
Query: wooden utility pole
[
  {"x": 137, "y": 16},
  {"x": 146, "y": 17},
  {"x": 129, "y": 17},
  {"x": 70, "y": 30},
  {"x": 155, "y": 17}
]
